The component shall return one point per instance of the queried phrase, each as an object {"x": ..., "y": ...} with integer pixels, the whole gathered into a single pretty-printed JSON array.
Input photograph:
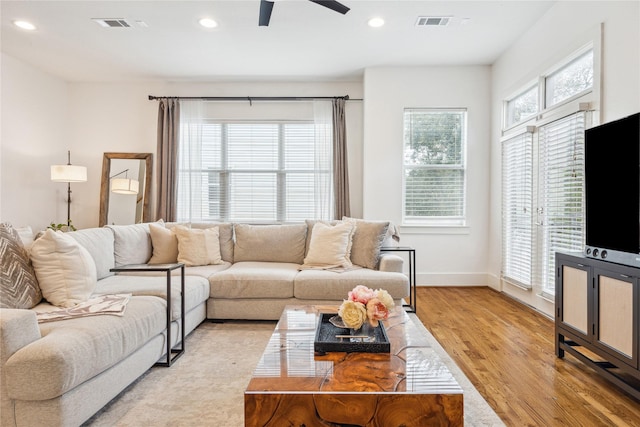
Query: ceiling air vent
[
  {"x": 433, "y": 21},
  {"x": 112, "y": 22}
]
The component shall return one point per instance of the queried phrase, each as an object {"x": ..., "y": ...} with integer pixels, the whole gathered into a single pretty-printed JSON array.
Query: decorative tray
[{"x": 330, "y": 337}]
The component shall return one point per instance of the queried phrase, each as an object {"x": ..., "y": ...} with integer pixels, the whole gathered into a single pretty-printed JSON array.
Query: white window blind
[
  {"x": 434, "y": 166},
  {"x": 561, "y": 176},
  {"x": 517, "y": 209},
  {"x": 253, "y": 171}
]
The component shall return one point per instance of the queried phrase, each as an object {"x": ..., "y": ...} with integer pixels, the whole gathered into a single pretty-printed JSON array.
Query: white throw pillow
[
  {"x": 198, "y": 246},
  {"x": 165, "y": 245},
  {"x": 65, "y": 270},
  {"x": 330, "y": 246}
]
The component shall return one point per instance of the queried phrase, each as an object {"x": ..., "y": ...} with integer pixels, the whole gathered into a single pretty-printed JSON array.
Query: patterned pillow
[{"x": 18, "y": 284}]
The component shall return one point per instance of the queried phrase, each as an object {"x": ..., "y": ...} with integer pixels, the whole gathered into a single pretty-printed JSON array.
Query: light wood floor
[{"x": 506, "y": 349}]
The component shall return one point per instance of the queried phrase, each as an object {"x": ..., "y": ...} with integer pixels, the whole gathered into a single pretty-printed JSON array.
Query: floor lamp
[{"x": 68, "y": 173}]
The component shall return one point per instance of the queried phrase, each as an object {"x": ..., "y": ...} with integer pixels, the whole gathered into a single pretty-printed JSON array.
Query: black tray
[{"x": 326, "y": 340}]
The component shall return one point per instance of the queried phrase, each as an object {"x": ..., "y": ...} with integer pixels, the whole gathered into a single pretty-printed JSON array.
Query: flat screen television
[{"x": 612, "y": 191}]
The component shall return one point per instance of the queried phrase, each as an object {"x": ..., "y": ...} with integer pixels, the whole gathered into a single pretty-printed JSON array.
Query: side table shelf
[
  {"x": 172, "y": 353},
  {"x": 411, "y": 307}
]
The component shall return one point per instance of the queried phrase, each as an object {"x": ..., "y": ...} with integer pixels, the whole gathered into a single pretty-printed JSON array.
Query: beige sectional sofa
[{"x": 59, "y": 373}]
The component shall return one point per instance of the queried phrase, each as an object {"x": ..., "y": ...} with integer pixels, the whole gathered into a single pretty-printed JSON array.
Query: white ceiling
[{"x": 303, "y": 41}]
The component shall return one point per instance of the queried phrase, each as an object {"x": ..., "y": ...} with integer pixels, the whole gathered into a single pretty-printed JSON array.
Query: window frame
[
  {"x": 540, "y": 81},
  {"x": 224, "y": 173},
  {"x": 586, "y": 101},
  {"x": 437, "y": 221}
]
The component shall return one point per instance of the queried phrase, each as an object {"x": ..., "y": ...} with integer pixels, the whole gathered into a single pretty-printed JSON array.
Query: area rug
[{"x": 205, "y": 386}]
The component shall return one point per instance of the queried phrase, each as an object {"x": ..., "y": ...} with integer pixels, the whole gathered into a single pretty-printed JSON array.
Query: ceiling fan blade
[
  {"x": 333, "y": 5},
  {"x": 266, "y": 7}
]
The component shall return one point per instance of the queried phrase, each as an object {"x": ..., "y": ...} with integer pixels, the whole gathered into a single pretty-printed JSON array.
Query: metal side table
[
  {"x": 411, "y": 307},
  {"x": 172, "y": 353}
]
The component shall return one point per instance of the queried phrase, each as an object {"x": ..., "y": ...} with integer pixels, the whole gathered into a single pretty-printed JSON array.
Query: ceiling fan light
[{"x": 376, "y": 22}]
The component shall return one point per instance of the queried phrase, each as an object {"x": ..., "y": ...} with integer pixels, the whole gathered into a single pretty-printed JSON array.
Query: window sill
[{"x": 433, "y": 229}]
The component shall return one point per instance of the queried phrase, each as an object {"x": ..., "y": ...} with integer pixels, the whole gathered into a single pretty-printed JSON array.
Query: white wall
[
  {"x": 48, "y": 116},
  {"x": 35, "y": 135},
  {"x": 565, "y": 27},
  {"x": 455, "y": 256}
]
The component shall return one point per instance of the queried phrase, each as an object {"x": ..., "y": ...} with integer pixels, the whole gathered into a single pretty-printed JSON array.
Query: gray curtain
[
  {"x": 340, "y": 163},
  {"x": 167, "y": 152}
]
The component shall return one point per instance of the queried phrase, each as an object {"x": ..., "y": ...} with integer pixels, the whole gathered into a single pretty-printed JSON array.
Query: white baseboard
[{"x": 454, "y": 279}]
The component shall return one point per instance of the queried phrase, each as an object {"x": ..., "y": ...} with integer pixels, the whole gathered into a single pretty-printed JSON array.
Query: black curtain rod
[{"x": 254, "y": 98}]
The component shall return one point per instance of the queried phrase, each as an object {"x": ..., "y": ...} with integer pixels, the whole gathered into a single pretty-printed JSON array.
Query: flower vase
[{"x": 365, "y": 333}]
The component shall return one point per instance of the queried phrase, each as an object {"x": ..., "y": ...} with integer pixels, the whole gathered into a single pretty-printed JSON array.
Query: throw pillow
[
  {"x": 310, "y": 223},
  {"x": 198, "y": 247},
  {"x": 18, "y": 284},
  {"x": 330, "y": 246},
  {"x": 164, "y": 243},
  {"x": 367, "y": 241},
  {"x": 132, "y": 243},
  {"x": 64, "y": 268}
]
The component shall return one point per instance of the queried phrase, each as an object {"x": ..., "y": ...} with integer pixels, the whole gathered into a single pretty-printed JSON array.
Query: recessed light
[
  {"x": 208, "y": 23},
  {"x": 24, "y": 25},
  {"x": 376, "y": 22}
]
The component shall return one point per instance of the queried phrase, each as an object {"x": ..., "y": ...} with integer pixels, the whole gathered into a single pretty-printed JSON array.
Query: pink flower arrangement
[{"x": 365, "y": 305}]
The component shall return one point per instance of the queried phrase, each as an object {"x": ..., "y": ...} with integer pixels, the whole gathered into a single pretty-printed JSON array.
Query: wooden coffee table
[{"x": 409, "y": 386}]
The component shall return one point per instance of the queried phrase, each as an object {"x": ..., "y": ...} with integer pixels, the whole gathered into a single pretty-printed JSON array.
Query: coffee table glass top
[{"x": 290, "y": 365}]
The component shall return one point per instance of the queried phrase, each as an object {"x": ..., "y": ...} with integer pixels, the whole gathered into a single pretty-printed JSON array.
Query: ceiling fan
[{"x": 266, "y": 6}]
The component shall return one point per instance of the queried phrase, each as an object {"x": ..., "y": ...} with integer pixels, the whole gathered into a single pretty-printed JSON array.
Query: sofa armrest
[
  {"x": 18, "y": 328},
  {"x": 391, "y": 263}
]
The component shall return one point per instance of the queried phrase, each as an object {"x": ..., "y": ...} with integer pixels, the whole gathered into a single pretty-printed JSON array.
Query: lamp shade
[
  {"x": 68, "y": 173},
  {"x": 125, "y": 186}
]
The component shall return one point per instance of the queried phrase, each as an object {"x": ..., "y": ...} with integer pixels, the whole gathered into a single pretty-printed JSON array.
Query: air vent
[
  {"x": 112, "y": 22},
  {"x": 433, "y": 21}
]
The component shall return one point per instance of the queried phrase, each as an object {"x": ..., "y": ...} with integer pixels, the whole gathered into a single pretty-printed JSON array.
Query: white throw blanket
[{"x": 104, "y": 304}]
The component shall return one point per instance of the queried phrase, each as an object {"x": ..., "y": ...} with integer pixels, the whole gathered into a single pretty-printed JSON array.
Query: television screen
[{"x": 612, "y": 185}]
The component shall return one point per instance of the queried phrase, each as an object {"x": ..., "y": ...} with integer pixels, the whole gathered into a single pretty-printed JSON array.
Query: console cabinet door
[
  {"x": 575, "y": 297},
  {"x": 615, "y": 315}
]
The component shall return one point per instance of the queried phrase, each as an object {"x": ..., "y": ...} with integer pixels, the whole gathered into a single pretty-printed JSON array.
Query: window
[
  {"x": 253, "y": 171},
  {"x": 517, "y": 209},
  {"x": 561, "y": 216},
  {"x": 570, "y": 80},
  {"x": 522, "y": 106},
  {"x": 543, "y": 173},
  {"x": 434, "y": 166}
]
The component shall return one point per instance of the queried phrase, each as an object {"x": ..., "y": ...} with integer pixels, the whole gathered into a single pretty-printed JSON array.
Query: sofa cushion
[
  {"x": 254, "y": 279},
  {"x": 367, "y": 241},
  {"x": 225, "y": 230},
  {"x": 196, "y": 289},
  {"x": 329, "y": 285},
  {"x": 198, "y": 246},
  {"x": 132, "y": 243},
  {"x": 99, "y": 243},
  {"x": 73, "y": 351},
  {"x": 330, "y": 245},
  {"x": 164, "y": 243},
  {"x": 18, "y": 284},
  {"x": 274, "y": 243},
  {"x": 65, "y": 270}
]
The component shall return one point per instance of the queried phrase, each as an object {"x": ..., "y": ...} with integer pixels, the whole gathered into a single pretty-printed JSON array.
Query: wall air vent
[
  {"x": 433, "y": 21},
  {"x": 112, "y": 22}
]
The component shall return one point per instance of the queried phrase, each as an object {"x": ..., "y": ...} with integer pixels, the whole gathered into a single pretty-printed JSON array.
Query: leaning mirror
[{"x": 125, "y": 188}]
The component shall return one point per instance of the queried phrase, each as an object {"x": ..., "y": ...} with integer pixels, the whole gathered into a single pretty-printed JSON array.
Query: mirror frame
[{"x": 104, "y": 184}]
